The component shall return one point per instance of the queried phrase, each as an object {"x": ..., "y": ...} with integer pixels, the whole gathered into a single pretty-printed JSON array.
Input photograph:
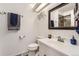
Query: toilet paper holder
[{"x": 22, "y": 37}]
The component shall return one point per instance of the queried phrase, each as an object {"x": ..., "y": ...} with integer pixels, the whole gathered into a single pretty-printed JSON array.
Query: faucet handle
[{"x": 59, "y": 38}]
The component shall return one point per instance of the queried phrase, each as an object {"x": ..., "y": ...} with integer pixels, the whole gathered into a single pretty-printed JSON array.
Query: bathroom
[{"x": 35, "y": 35}]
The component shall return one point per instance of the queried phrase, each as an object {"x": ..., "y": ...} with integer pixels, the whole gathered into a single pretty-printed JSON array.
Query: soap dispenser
[{"x": 73, "y": 41}]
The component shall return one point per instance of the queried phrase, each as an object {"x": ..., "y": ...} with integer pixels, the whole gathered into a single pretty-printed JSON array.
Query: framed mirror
[{"x": 62, "y": 17}]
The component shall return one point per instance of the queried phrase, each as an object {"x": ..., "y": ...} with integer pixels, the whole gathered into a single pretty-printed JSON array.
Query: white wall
[
  {"x": 44, "y": 31},
  {"x": 10, "y": 44}
]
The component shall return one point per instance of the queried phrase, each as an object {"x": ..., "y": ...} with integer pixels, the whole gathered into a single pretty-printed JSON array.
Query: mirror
[
  {"x": 64, "y": 21},
  {"x": 62, "y": 16}
]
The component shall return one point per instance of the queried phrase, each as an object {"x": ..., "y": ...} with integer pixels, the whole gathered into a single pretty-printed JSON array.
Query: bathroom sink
[
  {"x": 55, "y": 42},
  {"x": 50, "y": 42}
]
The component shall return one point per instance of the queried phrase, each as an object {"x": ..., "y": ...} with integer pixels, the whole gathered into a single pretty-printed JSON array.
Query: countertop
[{"x": 68, "y": 49}]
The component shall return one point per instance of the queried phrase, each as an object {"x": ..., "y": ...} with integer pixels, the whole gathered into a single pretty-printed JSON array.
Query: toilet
[{"x": 32, "y": 48}]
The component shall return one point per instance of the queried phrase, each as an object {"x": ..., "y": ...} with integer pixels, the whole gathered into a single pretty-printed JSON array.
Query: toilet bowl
[{"x": 32, "y": 49}]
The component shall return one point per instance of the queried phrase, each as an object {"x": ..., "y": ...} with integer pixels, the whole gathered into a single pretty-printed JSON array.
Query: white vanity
[{"x": 49, "y": 47}]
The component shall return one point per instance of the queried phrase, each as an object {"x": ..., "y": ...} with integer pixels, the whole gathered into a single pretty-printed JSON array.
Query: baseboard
[{"x": 22, "y": 54}]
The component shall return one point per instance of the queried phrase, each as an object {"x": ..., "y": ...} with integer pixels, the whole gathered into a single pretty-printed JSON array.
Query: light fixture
[
  {"x": 37, "y": 7},
  {"x": 41, "y": 6},
  {"x": 32, "y": 5}
]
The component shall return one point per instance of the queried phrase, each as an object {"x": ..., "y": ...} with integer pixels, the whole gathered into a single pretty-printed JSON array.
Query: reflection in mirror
[
  {"x": 64, "y": 21},
  {"x": 66, "y": 16},
  {"x": 62, "y": 17}
]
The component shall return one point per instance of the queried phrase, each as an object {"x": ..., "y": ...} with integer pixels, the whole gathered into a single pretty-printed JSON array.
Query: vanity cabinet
[
  {"x": 50, "y": 47},
  {"x": 45, "y": 50}
]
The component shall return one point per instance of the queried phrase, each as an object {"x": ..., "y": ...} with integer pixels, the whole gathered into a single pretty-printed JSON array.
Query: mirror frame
[{"x": 49, "y": 14}]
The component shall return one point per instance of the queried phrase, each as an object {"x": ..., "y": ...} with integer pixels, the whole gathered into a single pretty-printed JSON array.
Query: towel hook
[{"x": 2, "y": 13}]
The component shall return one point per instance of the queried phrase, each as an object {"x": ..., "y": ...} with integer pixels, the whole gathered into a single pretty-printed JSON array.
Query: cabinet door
[
  {"x": 42, "y": 49},
  {"x": 45, "y": 50},
  {"x": 53, "y": 52}
]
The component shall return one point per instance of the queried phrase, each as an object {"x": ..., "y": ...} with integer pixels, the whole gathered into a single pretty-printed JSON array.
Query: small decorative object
[
  {"x": 52, "y": 23},
  {"x": 73, "y": 41},
  {"x": 49, "y": 36}
]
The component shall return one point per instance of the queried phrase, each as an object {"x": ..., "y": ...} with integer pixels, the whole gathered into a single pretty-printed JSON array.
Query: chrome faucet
[{"x": 60, "y": 39}]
